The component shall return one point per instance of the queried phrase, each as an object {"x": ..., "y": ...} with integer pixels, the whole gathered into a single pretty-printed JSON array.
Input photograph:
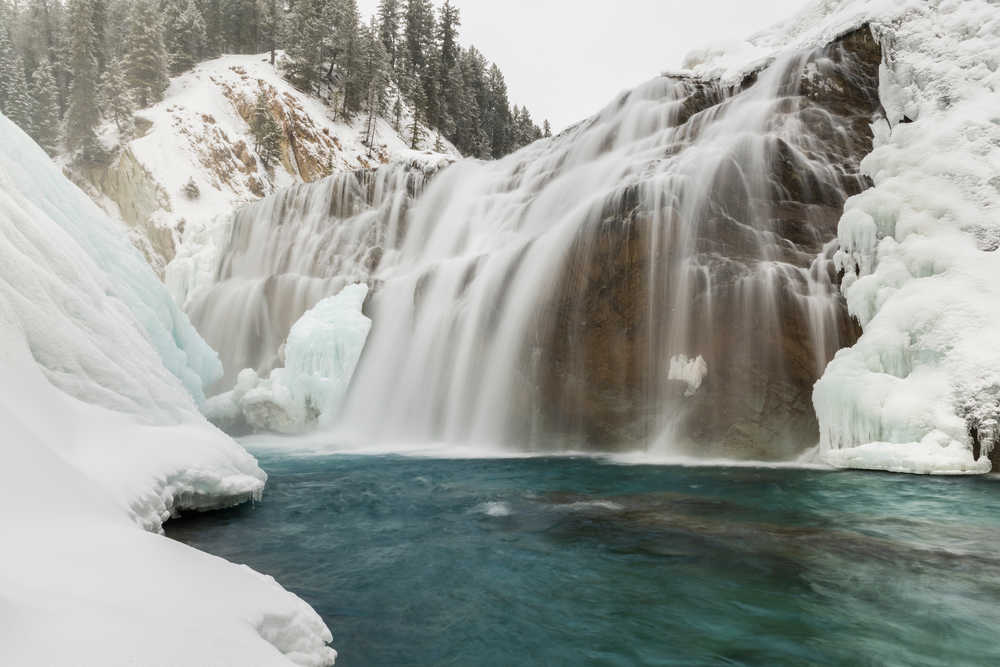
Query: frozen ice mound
[
  {"x": 920, "y": 391},
  {"x": 321, "y": 354}
]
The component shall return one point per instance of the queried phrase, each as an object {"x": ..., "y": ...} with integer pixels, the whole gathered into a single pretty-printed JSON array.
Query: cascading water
[
  {"x": 655, "y": 277},
  {"x": 289, "y": 251}
]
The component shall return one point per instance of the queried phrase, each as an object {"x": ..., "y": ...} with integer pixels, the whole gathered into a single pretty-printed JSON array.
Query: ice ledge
[{"x": 936, "y": 454}]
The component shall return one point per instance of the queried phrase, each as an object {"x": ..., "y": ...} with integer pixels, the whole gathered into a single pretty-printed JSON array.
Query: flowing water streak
[
  {"x": 692, "y": 215},
  {"x": 289, "y": 251}
]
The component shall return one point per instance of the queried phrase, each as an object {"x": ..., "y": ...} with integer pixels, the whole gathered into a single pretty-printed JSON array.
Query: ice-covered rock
[{"x": 919, "y": 391}]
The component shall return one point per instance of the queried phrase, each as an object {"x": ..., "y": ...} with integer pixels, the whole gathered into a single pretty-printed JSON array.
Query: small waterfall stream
[{"x": 656, "y": 277}]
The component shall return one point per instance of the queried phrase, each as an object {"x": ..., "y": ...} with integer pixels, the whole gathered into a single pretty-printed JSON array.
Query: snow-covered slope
[
  {"x": 920, "y": 391},
  {"x": 200, "y": 133},
  {"x": 102, "y": 437}
]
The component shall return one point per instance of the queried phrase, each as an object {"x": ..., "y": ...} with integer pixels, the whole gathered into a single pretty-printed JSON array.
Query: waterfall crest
[{"x": 658, "y": 276}]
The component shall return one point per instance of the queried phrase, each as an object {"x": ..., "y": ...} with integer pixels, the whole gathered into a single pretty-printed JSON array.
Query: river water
[{"x": 579, "y": 561}]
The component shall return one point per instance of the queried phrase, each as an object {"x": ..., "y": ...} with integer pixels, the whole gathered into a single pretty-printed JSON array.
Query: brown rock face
[{"x": 627, "y": 298}]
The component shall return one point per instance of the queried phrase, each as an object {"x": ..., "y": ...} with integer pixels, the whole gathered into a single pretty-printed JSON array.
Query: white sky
[{"x": 566, "y": 59}]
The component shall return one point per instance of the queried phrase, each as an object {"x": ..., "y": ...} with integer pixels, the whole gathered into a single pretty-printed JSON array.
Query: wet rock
[{"x": 598, "y": 338}]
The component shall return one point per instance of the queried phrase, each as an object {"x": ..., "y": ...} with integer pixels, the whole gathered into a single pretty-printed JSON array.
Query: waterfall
[{"x": 658, "y": 276}]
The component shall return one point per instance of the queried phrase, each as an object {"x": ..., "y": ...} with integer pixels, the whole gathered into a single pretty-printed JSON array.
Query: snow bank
[
  {"x": 921, "y": 388},
  {"x": 322, "y": 351},
  {"x": 100, "y": 438}
]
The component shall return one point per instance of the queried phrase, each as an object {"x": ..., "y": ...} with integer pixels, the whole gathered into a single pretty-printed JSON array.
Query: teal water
[{"x": 580, "y": 562}]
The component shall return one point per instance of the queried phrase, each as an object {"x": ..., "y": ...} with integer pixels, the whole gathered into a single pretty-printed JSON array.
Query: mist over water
[{"x": 575, "y": 561}]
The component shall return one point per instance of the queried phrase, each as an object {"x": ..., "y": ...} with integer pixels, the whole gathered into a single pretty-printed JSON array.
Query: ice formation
[
  {"x": 100, "y": 440},
  {"x": 321, "y": 353},
  {"x": 920, "y": 391}
]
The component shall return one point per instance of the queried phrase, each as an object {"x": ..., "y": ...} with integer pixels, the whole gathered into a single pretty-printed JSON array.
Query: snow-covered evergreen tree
[
  {"x": 45, "y": 107},
  {"x": 376, "y": 73},
  {"x": 270, "y": 25},
  {"x": 266, "y": 131},
  {"x": 348, "y": 55},
  {"x": 7, "y": 55},
  {"x": 184, "y": 34},
  {"x": 83, "y": 115},
  {"x": 17, "y": 105},
  {"x": 147, "y": 61},
  {"x": 116, "y": 98},
  {"x": 304, "y": 36},
  {"x": 388, "y": 28},
  {"x": 546, "y": 129}
]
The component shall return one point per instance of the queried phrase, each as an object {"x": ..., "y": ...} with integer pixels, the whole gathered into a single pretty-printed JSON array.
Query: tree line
[{"x": 67, "y": 64}]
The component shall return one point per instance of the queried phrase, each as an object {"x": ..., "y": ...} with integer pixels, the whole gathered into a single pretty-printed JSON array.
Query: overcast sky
[{"x": 565, "y": 59}]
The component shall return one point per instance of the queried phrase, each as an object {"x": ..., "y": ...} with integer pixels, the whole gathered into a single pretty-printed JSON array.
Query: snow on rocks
[
  {"x": 101, "y": 438},
  {"x": 198, "y": 138},
  {"x": 321, "y": 354}
]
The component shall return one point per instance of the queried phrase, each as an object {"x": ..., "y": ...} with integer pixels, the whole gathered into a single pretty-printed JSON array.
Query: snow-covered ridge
[
  {"x": 100, "y": 440},
  {"x": 200, "y": 133}
]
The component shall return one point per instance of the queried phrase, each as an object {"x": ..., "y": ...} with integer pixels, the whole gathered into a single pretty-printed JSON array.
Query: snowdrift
[{"x": 102, "y": 436}]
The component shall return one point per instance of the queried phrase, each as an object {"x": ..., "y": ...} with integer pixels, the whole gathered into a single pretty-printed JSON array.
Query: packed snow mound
[
  {"x": 321, "y": 354},
  {"x": 100, "y": 441},
  {"x": 196, "y": 158},
  {"x": 920, "y": 391}
]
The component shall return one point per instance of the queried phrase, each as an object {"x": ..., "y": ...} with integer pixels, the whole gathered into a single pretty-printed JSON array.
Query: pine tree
[
  {"x": 212, "y": 13},
  {"x": 348, "y": 56},
  {"x": 266, "y": 131},
  {"x": 82, "y": 115},
  {"x": 304, "y": 35},
  {"x": 418, "y": 36},
  {"x": 546, "y": 129},
  {"x": 270, "y": 25},
  {"x": 146, "y": 64},
  {"x": 99, "y": 19},
  {"x": 388, "y": 29},
  {"x": 7, "y": 69},
  {"x": 416, "y": 130},
  {"x": 45, "y": 107},
  {"x": 397, "y": 114},
  {"x": 18, "y": 105},
  {"x": 376, "y": 72},
  {"x": 116, "y": 99},
  {"x": 184, "y": 34},
  {"x": 447, "y": 37}
]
